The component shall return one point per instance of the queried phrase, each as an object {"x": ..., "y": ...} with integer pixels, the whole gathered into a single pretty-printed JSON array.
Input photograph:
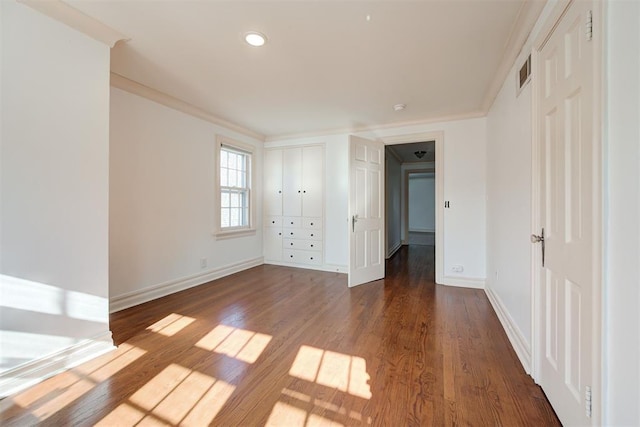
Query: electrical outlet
[
  {"x": 457, "y": 268},
  {"x": 203, "y": 263}
]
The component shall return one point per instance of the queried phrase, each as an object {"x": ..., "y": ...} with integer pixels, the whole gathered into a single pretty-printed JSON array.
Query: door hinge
[
  {"x": 587, "y": 401},
  {"x": 589, "y": 26}
]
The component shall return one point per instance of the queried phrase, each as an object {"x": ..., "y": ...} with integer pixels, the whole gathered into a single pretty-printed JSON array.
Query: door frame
[
  {"x": 545, "y": 33},
  {"x": 438, "y": 137}
]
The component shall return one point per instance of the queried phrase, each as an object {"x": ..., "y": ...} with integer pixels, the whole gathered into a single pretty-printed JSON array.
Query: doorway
[{"x": 414, "y": 194}]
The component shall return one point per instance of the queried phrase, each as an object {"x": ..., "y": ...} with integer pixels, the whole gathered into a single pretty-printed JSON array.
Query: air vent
[{"x": 524, "y": 75}]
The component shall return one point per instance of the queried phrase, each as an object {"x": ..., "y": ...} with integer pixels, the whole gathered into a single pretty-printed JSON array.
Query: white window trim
[{"x": 229, "y": 233}]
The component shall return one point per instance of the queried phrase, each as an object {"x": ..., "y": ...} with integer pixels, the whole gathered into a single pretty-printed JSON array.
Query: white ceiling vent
[{"x": 524, "y": 75}]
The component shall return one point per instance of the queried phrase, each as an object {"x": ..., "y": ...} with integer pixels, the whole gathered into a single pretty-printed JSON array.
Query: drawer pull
[
  {"x": 311, "y": 234},
  {"x": 291, "y": 243},
  {"x": 279, "y": 191},
  {"x": 291, "y": 222},
  {"x": 290, "y": 256},
  {"x": 312, "y": 258},
  {"x": 311, "y": 245},
  {"x": 279, "y": 234},
  {"x": 291, "y": 233},
  {"x": 273, "y": 222}
]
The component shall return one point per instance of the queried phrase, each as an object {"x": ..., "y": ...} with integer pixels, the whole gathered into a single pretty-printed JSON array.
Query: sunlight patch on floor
[
  {"x": 286, "y": 415},
  {"x": 129, "y": 355},
  {"x": 335, "y": 370},
  {"x": 171, "y": 325},
  {"x": 240, "y": 344},
  {"x": 123, "y": 415},
  {"x": 176, "y": 395},
  {"x": 78, "y": 389},
  {"x": 300, "y": 400}
]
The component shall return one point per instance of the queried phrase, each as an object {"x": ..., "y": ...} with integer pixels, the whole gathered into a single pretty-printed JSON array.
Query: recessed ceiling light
[
  {"x": 255, "y": 39},
  {"x": 399, "y": 107}
]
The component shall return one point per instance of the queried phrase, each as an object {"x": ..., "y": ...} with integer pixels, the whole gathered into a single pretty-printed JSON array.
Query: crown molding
[
  {"x": 68, "y": 15},
  {"x": 527, "y": 17},
  {"x": 438, "y": 119},
  {"x": 131, "y": 86}
]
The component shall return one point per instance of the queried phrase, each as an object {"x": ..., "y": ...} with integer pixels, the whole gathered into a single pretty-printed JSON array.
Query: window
[{"x": 234, "y": 183}]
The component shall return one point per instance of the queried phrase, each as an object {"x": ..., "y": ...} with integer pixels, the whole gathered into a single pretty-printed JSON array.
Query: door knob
[{"x": 539, "y": 239}]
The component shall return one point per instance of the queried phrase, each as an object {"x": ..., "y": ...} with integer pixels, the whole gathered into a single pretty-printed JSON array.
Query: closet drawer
[
  {"x": 302, "y": 257},
  {"x": 273, "y": 221},
  {"x": 301, "y": 233},
  {"x": 309, "y": 245},
  {"x": 312, "y": 223}
]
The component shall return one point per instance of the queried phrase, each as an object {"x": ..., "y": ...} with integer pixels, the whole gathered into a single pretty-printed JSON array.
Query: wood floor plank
[{"x": 282, "y": 346}]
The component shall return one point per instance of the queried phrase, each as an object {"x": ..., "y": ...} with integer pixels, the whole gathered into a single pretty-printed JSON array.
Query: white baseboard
[
  {"x": 394, "y": 250},
  {"x": 120, "y": 302},
  {"x": 518, "y": 342},
  {"x": 31, "y": 373},
  {"x": 332, "y": 268},
  {"x": 463, "y": 282}
]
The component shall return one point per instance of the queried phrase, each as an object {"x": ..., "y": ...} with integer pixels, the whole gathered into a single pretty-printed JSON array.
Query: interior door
[
  {"x": 312, "y": 176},
  {"x": 366, "y": 211},
  {"x": 569, "y": 215},
  {"x": 272, "y": 186}
]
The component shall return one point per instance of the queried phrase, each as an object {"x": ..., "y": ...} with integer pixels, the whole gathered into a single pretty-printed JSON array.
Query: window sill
[{"x": 231, "y": 234}]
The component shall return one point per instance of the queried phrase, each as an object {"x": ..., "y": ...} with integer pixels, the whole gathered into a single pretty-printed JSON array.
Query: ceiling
[
  {"x": 325, "y": 65},
  {"x": 406, "y": 152}
]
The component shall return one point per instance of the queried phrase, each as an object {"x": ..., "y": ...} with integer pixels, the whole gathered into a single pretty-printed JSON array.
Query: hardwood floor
[{"x": 292, "y": 347}]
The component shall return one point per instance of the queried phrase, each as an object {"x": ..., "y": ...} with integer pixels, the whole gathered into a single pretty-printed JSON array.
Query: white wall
[
  {"x": 509, "y": 204},
  {"x": 394, "y": 202},
  {"x": 54, "y": 193},
  {"x": 622, "y": 215},
  {"x": 422, "y": 196},
  {"x": 162, "y": 202}
]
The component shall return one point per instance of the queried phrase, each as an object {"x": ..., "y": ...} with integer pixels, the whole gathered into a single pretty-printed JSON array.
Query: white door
[
  {"x": 312, "y": 177},
  {"x": 272, "y": 183},
  {"x": 292, "y": 182},
  {"x": 273, "y": 243},
  {"x": 569, "y": 203},
  {"x": 366, "y": 210}
]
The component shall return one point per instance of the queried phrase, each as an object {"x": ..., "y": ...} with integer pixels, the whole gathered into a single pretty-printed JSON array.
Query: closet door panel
[
  {"x": 292, "y": 182},
  {"x": 312, "y": 181},
  {"x": 272, "y": 182}
]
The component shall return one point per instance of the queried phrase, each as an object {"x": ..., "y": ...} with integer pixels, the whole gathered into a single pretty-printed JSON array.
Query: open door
[{"x": 366, "y": 211}]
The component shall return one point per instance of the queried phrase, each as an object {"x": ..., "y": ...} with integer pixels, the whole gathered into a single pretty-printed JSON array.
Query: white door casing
[
  {"x": 566, "y": 300},
  {"x": 366, "y": 211}
]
